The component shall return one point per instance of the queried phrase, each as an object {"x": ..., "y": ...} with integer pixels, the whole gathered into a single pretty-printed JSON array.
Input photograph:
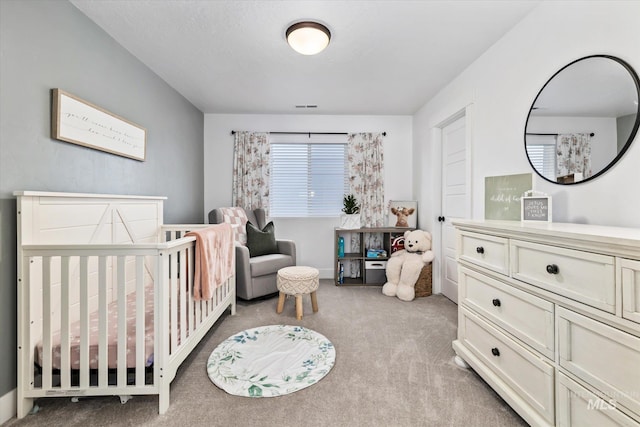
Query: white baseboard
[
  {"x": 8, "y": 406},
  {"x": 326, "y": 273}
]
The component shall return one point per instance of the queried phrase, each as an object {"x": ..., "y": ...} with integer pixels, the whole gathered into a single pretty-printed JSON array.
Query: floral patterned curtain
[
  {"x": 573, "y": 154},
  {"x": 251, "y": 170},
  {"x": 366, "y": 176},
  {"x": 366, "y": 183}
]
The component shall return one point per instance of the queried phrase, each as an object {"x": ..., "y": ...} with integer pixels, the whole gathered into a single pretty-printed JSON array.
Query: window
[
  {"x": 307, "y": 179},
  {"x": 542, "y": 155}
]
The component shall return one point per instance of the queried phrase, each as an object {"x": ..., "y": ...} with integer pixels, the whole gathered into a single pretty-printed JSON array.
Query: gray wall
[{"x": 50, "y": 44}]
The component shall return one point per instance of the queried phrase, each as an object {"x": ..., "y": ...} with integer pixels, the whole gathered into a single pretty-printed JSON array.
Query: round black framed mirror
[{"x": 583, "y": 119}]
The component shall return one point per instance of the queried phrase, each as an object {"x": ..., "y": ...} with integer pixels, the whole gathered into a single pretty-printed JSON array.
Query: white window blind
[
  {"x": 541, "y": 149},
  {"x": 307, "y": 179},
  {"x": 543, "y": 159}
]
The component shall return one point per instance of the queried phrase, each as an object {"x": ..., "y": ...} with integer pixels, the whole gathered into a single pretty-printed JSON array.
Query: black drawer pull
[
  {"x": 552, "y": 269},
  {"x": 480, "y": 249},
  {"x": 495, "y": 351},
  {"x": 496, "y": 302}
]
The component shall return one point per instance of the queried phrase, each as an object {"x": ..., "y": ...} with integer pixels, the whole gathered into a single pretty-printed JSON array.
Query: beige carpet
[{"x": 394, "y": 367}]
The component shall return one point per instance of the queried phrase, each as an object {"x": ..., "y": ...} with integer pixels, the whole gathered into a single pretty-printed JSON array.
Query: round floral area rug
[{"x": 271, "y": 361}]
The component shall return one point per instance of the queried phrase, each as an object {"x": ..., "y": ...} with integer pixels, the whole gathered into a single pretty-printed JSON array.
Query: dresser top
[{"x": 557, "y": 231}]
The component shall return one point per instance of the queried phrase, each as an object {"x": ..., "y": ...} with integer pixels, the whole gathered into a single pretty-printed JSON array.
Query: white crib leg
[
  {"x": 25, "y": 406},
  {"x": 163, "y": 397},
  {"x": 125, "y": 398}
]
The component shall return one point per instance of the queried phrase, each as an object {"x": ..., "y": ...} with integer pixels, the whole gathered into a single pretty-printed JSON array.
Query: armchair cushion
[
  {"x": 269, "y": 264},
  {"x": 261, "y": 242}
]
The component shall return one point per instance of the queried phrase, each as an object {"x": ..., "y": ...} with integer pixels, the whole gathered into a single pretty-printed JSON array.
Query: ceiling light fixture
[{"x": 308, "y": 38}]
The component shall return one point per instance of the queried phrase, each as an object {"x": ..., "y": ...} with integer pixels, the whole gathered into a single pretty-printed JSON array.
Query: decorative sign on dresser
[
  {"x": 536, "y": 206},
  {"x": 549, "y": 316}
]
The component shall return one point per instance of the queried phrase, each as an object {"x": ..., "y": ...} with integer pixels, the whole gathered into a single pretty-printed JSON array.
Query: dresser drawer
[
  {"x": 525, "y": 373},
  {"x": 578, "y": 407},
  {"x": 630, "y": 275},
  {"x": 486, "y": 251},
  {"x": 582, "y": 276},
  {"x": 527, "y": 317},
  {"x": 600, "y": 355}
]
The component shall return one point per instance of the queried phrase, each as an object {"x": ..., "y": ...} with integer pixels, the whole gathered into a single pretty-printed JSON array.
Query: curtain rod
[
  {"x": 233, "y": 132},
  {"x": 553, "y": 134}
]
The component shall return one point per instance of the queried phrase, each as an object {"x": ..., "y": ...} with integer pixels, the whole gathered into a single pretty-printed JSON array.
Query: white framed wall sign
[
  {"x": 79, "y": 122},
  {"x": 536, "y": 207}
]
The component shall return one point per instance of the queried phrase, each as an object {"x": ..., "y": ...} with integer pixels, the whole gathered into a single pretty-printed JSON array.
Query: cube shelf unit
[{"x": 357, "y": 257}]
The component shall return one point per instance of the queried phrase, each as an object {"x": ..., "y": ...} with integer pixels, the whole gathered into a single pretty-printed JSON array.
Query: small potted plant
[{"x": 350, "y": 219}]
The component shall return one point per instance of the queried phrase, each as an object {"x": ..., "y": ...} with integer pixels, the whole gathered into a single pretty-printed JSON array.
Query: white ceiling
[{"x": 385, "y": 57}]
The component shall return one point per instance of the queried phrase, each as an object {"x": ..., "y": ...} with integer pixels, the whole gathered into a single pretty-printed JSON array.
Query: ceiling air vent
[{"x": 306, "y": 106}]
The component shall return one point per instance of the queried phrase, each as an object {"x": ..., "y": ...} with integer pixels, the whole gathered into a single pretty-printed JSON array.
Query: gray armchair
[{"x": 256, "y": 276}]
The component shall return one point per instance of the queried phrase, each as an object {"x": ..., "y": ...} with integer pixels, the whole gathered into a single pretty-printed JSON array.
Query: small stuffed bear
[{"x": 404, "y": 266}]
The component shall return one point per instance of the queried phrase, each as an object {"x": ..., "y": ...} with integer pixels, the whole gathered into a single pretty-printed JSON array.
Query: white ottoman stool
[{"x": 298, "y": 281}]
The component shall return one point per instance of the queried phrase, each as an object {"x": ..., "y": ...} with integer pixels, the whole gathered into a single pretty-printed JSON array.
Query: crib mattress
[{"x": 112, "y": 346}]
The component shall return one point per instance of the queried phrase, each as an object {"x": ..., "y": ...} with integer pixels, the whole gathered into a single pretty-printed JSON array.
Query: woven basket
[{"x": 423, "y": 285}]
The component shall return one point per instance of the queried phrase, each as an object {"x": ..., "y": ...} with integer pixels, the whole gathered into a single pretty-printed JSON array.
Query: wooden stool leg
[
  {"x": 314, "y": 302},
  {"x": 299, "y": 307},
  {"x": 280, "y": 303}
]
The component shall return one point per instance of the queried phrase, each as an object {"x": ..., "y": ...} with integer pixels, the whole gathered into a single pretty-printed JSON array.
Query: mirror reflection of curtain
[
  {"x": 573, "y": 154},
  {"x": 250, "y": 188}
]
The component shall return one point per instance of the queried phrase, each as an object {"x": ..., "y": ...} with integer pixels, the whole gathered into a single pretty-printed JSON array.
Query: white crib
[{"x": 83, "y": 258}]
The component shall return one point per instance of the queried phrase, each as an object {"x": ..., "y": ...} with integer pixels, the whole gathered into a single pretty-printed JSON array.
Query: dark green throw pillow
[{"x": 261, "y": 242}]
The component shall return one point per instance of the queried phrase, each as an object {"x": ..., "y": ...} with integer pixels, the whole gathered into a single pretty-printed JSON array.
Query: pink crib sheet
[{"x": 112, "y": 326}]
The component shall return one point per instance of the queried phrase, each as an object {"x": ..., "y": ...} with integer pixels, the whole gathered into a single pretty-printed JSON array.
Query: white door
[{"x": 455, "y": 192}]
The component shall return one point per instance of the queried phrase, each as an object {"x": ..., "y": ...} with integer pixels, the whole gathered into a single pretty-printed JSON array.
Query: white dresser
[{"x": 549, "y": 316}]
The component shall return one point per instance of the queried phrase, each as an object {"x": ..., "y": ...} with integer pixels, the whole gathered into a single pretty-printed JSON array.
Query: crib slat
[
  {"x": 46, "y": 322},
  {"x": 205, "y": 309},
  {"x": 103, "y": 327},
  {"x": 140, "y": 322},
  {"x": 183, "y": 296},
  {"x": 190, "y": 304},
  {"x": 198, "y": 304},
  {"x": 84, "y": 322},
  {"x": 122, "y": 323},
  {"x": 161, "y": 322},
  {"x": 198, "y": 319},
  {"x": 65, "y": 353},
  {"x": 173, "y": 280},
  {"x": 24, "y": 328}
]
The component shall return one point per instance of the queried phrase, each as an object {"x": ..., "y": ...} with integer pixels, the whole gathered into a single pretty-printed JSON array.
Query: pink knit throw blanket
[{"x": 214, "y": 259}]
